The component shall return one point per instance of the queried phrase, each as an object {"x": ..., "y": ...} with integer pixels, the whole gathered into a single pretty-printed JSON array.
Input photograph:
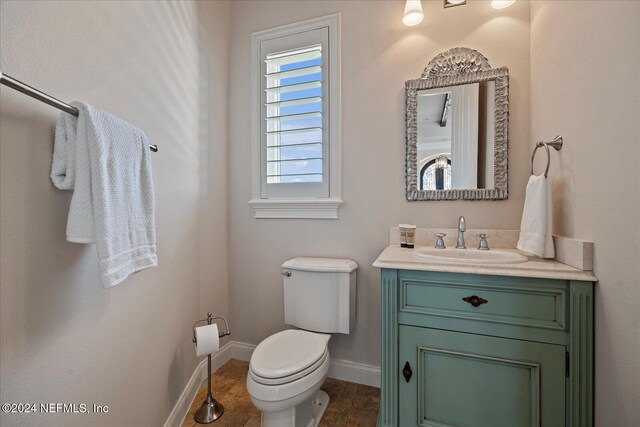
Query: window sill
[{"x": 296, "y": 208}]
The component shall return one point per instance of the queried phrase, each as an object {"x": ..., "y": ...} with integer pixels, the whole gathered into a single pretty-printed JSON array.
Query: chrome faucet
[{"x": 461, "y": 229}]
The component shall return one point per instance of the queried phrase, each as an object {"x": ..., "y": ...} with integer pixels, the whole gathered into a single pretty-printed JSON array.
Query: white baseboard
[
  {"x": 180, "y": 409},
  {"x": 217, "y": 360},
  {"x": 242, "y": 351},
  {"x": 344, "y": 370},
  {"x": 354, "y": 372}
]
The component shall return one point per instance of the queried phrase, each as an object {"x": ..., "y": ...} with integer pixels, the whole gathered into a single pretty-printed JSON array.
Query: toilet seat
[
  {"x": 287, "y": 356},
  {"x": 290, "y": 378},
  {"x": 275, "y": 397}
]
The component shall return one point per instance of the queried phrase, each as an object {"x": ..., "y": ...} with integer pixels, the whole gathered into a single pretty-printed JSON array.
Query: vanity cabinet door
[{"x": 459, "y": 379}]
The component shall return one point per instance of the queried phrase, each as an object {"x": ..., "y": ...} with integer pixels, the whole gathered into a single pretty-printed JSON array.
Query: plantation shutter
[{"x": 295, "y": 117}]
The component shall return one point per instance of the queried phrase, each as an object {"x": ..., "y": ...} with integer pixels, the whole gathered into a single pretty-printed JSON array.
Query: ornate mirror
[{"x": 457, "y": 129}]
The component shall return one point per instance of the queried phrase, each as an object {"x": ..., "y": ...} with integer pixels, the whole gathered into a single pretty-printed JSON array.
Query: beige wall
[
  {"x": 162, "y": 66},
  {"x": 585, "y": 85},
  {"x": 213, "y": 157},
  {"x": 378, "y": 55}
]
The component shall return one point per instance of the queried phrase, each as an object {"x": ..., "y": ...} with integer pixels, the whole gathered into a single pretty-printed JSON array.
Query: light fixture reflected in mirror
[
  {"x": 441, "y": 163},
  {"x": 501, "y": 4},
  {"x": 452, "y": 3},
  {"x": 412, "y": 13}
]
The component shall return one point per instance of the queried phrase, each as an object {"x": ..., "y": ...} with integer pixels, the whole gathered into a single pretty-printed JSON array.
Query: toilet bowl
[
  {"x": 288, "y": 368},
  {"x": 285, "y": 375}
]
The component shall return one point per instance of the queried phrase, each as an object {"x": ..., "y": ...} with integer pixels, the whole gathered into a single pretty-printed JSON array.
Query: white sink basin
[{"x": 470, "y": 256}]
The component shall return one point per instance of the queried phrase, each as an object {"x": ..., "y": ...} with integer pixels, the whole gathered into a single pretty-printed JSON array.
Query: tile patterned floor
[{"x": 350, "y": 405}]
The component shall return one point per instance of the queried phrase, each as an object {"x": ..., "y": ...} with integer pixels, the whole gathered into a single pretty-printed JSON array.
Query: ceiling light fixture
[
  {"x": 501, "y": 4},
  {"x": 412, "y": 13},
  {"x": 452, "y": 3}
]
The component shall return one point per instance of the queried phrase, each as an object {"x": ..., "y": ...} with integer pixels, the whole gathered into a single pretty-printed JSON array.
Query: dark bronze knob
[
  {"x": 407, "y": 372},
  {"x": 475, "y": 300}
]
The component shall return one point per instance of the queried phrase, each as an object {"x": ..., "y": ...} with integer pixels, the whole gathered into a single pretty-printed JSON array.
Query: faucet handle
[
  {"x": 440, "y": 240},
  {"x": 483, "y": 246}
]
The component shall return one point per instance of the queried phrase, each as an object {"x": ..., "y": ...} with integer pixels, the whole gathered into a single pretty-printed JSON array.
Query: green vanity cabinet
[{"x": 480, "y": 350}]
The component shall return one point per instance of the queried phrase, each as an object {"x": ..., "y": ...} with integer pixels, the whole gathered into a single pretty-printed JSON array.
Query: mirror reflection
[
  {"x": 457, "y": 116},
  {"x": 455, "y": 137}
]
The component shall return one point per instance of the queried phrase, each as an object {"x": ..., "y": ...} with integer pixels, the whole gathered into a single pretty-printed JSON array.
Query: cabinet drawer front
[{"x": 522, "y": 302}]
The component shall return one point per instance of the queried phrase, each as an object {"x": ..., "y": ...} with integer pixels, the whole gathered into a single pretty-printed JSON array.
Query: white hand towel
[
  {"x": 536, "y": 227},
  {"x": 107, "y": 162}
]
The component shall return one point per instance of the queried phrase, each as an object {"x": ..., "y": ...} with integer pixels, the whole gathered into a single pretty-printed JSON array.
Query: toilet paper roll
[{"x": 207, "y": 339}]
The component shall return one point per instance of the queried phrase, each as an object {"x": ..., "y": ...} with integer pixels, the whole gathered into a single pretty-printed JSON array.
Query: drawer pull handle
[
  {"x": 475, "y": 300},
  {"x": 407, "y": 372}
]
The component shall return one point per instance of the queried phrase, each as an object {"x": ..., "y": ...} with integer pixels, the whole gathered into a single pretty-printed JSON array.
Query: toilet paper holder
[
  {"x": 209, "y": 321},
  {"x": 211, "y": 409}
]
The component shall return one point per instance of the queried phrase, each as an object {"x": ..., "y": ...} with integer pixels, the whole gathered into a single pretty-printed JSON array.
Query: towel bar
[
  {"x": 556, "y": 143},
  {"x": 47, "y": 99}
]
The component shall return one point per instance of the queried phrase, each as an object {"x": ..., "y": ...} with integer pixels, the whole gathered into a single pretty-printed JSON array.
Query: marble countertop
[{"x": 395, "y": 257}]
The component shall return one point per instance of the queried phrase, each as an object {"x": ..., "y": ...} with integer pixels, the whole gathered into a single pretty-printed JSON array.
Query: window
[
  {"x": 293, "y": 133},
  {"x": 436, "y": 174},
  {"x": 295, "y": 120}
]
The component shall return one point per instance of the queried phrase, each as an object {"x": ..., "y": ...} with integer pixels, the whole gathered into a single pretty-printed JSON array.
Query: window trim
[{"x": 316, "y": 208}]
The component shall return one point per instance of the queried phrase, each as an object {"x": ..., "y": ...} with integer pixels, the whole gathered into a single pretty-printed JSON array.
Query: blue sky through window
[{"x": 306, "y": 159}]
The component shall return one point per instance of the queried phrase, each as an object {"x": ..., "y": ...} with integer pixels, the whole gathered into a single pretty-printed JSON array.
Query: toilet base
[
  {"x": 318, "y": 406},
  {"x": 307, "y": 414}
]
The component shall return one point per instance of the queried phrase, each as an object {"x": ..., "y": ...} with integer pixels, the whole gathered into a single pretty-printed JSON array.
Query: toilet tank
[{"x": 320, "y": 294}]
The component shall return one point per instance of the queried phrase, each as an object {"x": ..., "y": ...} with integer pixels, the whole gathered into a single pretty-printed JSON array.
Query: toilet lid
[{"x": 286, "y": 353}]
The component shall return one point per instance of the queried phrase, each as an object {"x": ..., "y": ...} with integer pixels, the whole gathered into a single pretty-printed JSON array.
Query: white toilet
[{"x": 288, "y": 368}]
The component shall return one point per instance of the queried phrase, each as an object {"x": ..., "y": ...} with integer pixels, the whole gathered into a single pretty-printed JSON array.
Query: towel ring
[{"x": 556, "y": 143}]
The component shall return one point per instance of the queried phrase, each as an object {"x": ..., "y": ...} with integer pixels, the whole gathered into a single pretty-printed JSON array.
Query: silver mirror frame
[{"x": 454, "y": 67}]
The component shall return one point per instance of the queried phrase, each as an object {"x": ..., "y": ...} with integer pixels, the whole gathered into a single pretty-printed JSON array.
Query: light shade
[
  {"x": 501, "y": 4},
  {"x": 412, "y": 13},
  {"x": 441, "y": 162}
]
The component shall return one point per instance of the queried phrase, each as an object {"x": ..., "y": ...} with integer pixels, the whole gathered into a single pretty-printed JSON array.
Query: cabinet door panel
[{"x": 473, "y": 380}]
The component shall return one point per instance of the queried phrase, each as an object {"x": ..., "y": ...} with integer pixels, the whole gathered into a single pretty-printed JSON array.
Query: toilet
[{"x": 288, "y": 368}]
